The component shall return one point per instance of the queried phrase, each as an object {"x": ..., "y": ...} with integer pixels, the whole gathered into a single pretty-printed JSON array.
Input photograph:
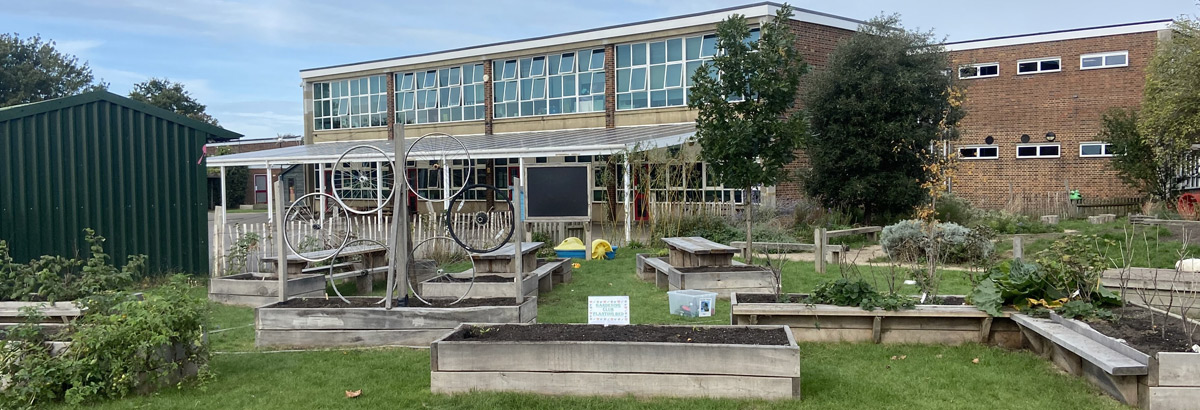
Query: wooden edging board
[
  {"x": 540, "y": 280},
  {"x": 375, "y": 326},
  {"x": 618, "y": 368},
  {"x": 244, "y": 290}
]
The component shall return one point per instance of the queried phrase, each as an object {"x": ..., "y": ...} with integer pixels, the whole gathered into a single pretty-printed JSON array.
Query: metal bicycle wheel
[
  {"x": 442, "y": 149},
  {"x": 445, "y": 254},
  {"x": 338, "y": 254},
  {"x": 304, "y": 227},
  {"x": 480, "y": 231},
  {"x": 351, "y": 176}
]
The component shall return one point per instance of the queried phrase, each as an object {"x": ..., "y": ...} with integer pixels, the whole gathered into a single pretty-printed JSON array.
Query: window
[
  {"x": 562, "y": 83},
  {"x": 1095, "y": 149},
  {"x": 1104, "y": 60},
  {"x": 1039, "y": 65},
  {"x": 978, "y": 152},
  {"x": 352, "y": 103},
  {"x": 979, "y": 70},
  {"x": 1037, "y": 151},
  {"x": 443, "y": 95},
  {"x": 659, "y": 73}
]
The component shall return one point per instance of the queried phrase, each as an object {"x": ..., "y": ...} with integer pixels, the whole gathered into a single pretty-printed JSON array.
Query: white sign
[
  {"x": 706, "y": 306},
  {"x": 608, "y": 310}
]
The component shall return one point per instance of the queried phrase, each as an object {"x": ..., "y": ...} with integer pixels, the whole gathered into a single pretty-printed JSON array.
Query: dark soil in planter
[
  {"x": 627, "y": 333},
  {"x": 480, "y": 279},
  {"x": 769, "y": 298},
  {"x": 707, "y": 269},
  {"x": 1133, "y": 326},
  {"x": 373, "y": 302}
]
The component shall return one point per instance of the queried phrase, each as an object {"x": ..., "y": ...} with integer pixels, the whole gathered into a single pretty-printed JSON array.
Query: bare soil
[
  {"x": 1133, "y": 325},
  {"x": 628, "y": 333},
  {"x": 374, "y": 302},
  {"x": 708, "y": 269}
]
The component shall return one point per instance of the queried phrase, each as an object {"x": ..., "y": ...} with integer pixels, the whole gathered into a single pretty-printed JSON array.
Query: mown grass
[{"x": 835, "y": 376}]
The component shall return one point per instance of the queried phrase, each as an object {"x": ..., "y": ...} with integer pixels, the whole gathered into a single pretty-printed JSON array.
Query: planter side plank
[
  {"x": 629, "y": 357},
  {"x": 378, "y": 318},
  {"x": 642, "y": 385},
  {"x": 1174, "y": 398},
  {"x": 1179, "y": 369},
  {"x": 339, "y": 338}
]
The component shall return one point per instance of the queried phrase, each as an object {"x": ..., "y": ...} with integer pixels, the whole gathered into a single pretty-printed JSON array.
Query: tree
[
  {"x": 1151, "y": 147},
  {"x": 876, "y": 114},
  {"x": 168, "y": 95},
  {"x": 748, "y": 126},
  {"x": 31, "y": 70}
]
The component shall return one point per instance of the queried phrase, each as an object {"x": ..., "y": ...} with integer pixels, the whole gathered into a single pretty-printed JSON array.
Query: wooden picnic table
[
  {"x": 696, "y": 251},
  {"x": 372, "y": 256},
  {"x": 501, "y": 260}
]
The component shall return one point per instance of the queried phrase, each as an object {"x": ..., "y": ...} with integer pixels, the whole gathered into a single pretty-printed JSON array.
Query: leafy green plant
[
  {"x": 240, "y": 252},
  {"x": 951, "y": 208},
  {"x": 911, "y": 240},
  {"x": 53, "y": 278},
  {"x": 848, "y": 292},
  {"x": 1011, "y": 224},
  {"x": 1070, "y": 269}
]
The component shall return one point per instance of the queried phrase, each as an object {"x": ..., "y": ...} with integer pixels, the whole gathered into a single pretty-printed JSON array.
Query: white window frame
[
  {"x": 1039, "y": 65},
  {"x": 1103, "y": 59},
  {"x": 961, "y": 67},
  {"x": 976, "y": 148},
  {"x": 1039, "y": 154},
  {"x": 1105, "y": 147}
]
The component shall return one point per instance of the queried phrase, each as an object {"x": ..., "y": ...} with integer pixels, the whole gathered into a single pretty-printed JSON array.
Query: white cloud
[{"x": 78, "y": 48}]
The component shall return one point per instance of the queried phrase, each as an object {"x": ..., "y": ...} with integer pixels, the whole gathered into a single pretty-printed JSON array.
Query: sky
[{"x": 242, "y": 57}]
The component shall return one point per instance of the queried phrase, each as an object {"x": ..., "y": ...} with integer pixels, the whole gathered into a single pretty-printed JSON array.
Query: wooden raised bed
[
  {"x": 926, "y": 324},
  {"x": 56, "y": 317},
  {"x": 375, "y": 326},
  {"x": 724, "y": 280},
  {"x": 1165, "y": 381},
  {"x": 257, "y": 289},
  {"x": 1150, "y": 286},
  {"x": 541, "y": 279},
  {"x": 618, "y": 368}
]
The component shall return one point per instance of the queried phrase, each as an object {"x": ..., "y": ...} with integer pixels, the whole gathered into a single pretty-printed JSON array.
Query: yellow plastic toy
[
  {"x": 570, "y": 244},
  {"x": 599, "y": 248}
]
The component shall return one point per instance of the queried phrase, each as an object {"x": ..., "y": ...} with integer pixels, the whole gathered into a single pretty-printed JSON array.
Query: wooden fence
[{"x": 1060, "y": 203}]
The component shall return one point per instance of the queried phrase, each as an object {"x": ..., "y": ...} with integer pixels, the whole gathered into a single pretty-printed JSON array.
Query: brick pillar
[
  {"x": 487, "y": 97},
  {"x": 610, "y": 86},
  {"x": 390, "y": 120}
]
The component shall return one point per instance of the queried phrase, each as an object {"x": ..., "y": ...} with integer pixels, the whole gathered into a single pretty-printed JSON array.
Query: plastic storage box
[{"x": 692, "y": 303}]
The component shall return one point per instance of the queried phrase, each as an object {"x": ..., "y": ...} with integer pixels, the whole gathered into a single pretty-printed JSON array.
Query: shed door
[{"x": 260, "y": 189}]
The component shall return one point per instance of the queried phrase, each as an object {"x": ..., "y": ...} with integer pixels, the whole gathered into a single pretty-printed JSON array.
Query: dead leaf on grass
[
  {"x": 893, "y": 357},
  {"x": 903, "y": 356},
  {"x": 976, "y": 360},
  {"x": 352, "y": 394}
]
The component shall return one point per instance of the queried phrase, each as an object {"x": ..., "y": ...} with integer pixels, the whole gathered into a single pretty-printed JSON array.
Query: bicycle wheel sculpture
[
  {"x": 451, "y": 263},
  {"x": 445, "y": 153},
  {"x": 480, "y": 230},
  {"x": 367, "y": 265},
  {"x": 308, "y": 228},
  {"x": 364, "y": 180}
]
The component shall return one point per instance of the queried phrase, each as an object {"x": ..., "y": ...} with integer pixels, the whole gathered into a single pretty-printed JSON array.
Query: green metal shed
[{"x": 133, "y": 172}]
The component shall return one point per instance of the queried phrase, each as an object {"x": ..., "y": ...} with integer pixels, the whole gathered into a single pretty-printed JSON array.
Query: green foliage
[
  {"x": 1074, "y": 265},
  {"x": 171, "y": 96},
  {"x": 241, "y": 251},
  {"x": 712, "y": 227},
  {"x": 749, "y": 140},
  {"x": 875, "y": 110},
  {"x": 847, "y": 292},
  {"x": 1078, "y": 309},
  {"x": 951, "y": 208},
  {"x": 236, "y": 181},
  {"x": 121, "y": 342},
  {"x": 1069, "y": 270},
  {"x": 32, "y": 70},
  {"x": 910, "y": 240},
  {"x": 1011, "y": 224},
  {"x": 1170, "y": 114},
  {"x": 1149, "y": 162},
  {"x": 53, "y": 278}
]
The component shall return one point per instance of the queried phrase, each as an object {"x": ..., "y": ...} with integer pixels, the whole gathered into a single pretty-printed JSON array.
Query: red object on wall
[{"x": 1186, "y": 206}]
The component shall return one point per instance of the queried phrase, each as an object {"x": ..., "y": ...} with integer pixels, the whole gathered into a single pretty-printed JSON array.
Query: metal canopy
[{"x": 591, "y": 141}]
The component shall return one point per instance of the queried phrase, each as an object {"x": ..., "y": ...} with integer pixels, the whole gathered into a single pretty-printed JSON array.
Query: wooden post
[
  {"x": 217, "y": 250},
  {"x": 819, "y": 249},
  {"x": 1018, "y": 249},
  {"x": 749, "y": 225},
  {"x": 519, "y": 225},
  {"x": 280, "y": 245},
  {"x": 587, "y": 243},
  {"x": 400, "y": 245}
]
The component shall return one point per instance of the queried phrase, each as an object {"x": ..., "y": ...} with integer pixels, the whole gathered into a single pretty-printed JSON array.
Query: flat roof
[
  {"x": 755, "y": 10},
  {"x": 1059, "y": 35},
  {"x": 583, "y": 141}
]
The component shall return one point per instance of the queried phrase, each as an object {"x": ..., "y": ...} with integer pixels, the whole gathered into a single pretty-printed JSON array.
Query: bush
[
  {"x": 1010, "y": 224},
  {"x": 709, "y": 226},
  {"x": 951, "y": 208},
  {"x": 909, "y": 241},
  {"x": 846, "y": 292},
  {"x": 1068, "y": 271},
  {"x": 53, "y": 278}
]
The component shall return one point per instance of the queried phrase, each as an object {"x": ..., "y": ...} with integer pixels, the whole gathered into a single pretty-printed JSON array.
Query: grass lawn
[{"x": 835, "y": 376}]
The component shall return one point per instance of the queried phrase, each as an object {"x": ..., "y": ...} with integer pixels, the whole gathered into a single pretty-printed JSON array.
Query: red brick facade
[{"x": 1068, "y": 103}]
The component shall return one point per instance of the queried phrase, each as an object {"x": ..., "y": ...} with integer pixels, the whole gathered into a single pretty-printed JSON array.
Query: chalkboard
[{"x": 558, "y": 192}]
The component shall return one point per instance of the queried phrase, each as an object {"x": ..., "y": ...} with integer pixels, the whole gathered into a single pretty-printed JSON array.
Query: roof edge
[
  {"x": 1059, "y": 35},
  {"x": 24, "y": 110}
]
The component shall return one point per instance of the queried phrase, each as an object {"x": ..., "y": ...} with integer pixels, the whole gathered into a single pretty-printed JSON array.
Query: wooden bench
[
  {"x": 696, "y": 251},
  {"x": 870, "y": 231},
  {"x": 1082, "y": 351},
  {"x": 501, "y": 260},
  {"x": 370, "y": 259}
]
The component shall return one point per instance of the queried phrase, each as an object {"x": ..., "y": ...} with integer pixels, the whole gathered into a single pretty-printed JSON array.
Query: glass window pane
[
  {"x": 622, "y": 81},
  {"x": 658, "y": 52},
  {"x": 674, "y": 75},
  {"x": 1049, "y": 150},
  {"x": 510, "y": 91},
  {"x": 498, "y": 91},
  {"x": 1091, "y": 62},
  {"x": 539, "y": 107},
  {"x": 1118, "y": 59},
  {"x": 598, "y": 84},
  {"x": 478, "y": 73},
  {"x": 989, "y": 70},
  {"x": 430, "y": 79},
  {"x": 598, "y": 59},
  {"x": 539, "y": 66},
  {"x": 554, "y": 106},
  {"x": 1108, "y": 149},
  {"x": 455, "y": 76},
  {"x": 693, "y": 48},
  {"x": 526, "y": 63},
  {"x": 675, "y": 49},
  {"x": 708, "y": 46},
  {"x": 638, "y": 54},
  {"x": 539, "y": 88},
  {"x": 568, "y": 85},
  {"x": 675, "y": 97},
  {"x": 639, "y": 100},
  {"x": 1050, "y": 65},
  {"x": 526, "y": 89},
  {"x": 1026, "y": 151},
  {"x": 657, "y": 76},
  {"x": 967, "y": 152},
  {"x": 1091, "y": 149},
  {"x": 637, "y": 80},
  {"x": 692, "y": 66},
  {"x": 585, "y": 83},
  {"x": 554, "y": 63},
  {"x": 568, "y": 105},
  {"x": 989, "y": 152},
  {"x": 479, "y": 94},
  {"x": 468, "y": 95},
  {"x": 568, "y": 63},
  {"x": 585, "y": 58},
  {"x": 510, "y": 69},
  {"x": 1027, "y": 67},
  {"x": 623, "y": 57},
  {"x": 555, "y": 86},
  {"x": 624, "y": 101},
  {"x": 526, "y": 108},
  {"x": 468, "y": 74},
  {"x": 658, "y": 98},
  {"x": 454, "y": 97}
]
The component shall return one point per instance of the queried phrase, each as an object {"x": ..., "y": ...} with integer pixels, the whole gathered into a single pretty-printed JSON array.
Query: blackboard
[{"x": 560, "y": 192}]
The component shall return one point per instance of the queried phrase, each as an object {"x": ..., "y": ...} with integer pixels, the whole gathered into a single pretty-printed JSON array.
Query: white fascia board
[
  {"x": 481, "y": 52},
  {"x": 1059, "y": 36}
]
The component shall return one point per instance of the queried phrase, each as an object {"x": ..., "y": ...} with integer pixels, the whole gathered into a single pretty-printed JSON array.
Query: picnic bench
[
  {"x": 500, "y": 261},
  {"x": 686, "y": 252},
  {"x": 56, "y": 316},
  {"x": 372, "y": 259}
]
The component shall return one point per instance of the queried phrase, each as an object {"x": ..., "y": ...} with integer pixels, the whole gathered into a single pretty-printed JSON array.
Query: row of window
[
  {"x": 1086, "y": 150},
  {"x": 1047, "y": 65},
  {"x": 360, "y": 102}
]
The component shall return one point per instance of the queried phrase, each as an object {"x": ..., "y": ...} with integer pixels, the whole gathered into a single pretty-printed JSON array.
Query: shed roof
[
  {"x": 586, "y": 141},
  {"x": 25, "y": 110}
]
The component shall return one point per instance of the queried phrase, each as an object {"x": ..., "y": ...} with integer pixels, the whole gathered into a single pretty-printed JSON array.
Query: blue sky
[{"x": 242, "y": 57}]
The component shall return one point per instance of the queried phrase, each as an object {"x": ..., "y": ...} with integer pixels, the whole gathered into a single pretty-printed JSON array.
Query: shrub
[
  {"x": 1010, "y": 224},
  {"x": 951, "y": 208},
  {"x": 846, "y": 292},
  {"x": 909, "y": 240},
  {"x": 53, "y": 278}
]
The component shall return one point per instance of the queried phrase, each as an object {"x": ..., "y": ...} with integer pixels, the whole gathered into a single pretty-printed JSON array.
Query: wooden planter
[
  {"x": 737, "y": 277},
  {"x": 257, "y": 289},
  {"x": 541, "y": 279},
  {"x": 56, "y": 317},
  {"x": 1166, "y": 381},
  {"x": 926, "y": 324},
  {"x": 617, "y": 368},
  {"x": 1150, "y": 286},
  {"x": 375, "y": 326}
]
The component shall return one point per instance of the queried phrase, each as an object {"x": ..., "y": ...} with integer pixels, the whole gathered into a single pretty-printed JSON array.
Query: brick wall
[{"x": 1068, "y": 103}]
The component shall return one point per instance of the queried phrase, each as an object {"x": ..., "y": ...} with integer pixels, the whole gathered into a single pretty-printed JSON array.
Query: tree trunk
[{"x": 749, "y": 226}]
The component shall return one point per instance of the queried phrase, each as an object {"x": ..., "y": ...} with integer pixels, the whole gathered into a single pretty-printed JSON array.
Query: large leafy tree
[
  {"x": 877, "y": 113},
  {"x": 748, "y": 126},
  {"x": 1153, "y": 145},
  {"x": 32, "y": 70},
  {"x": 169, "y": 95}
]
